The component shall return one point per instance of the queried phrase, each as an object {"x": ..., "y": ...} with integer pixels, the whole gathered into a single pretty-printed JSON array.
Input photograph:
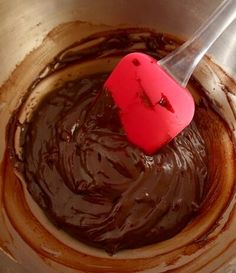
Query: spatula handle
[{"x": 181, "y": 62}]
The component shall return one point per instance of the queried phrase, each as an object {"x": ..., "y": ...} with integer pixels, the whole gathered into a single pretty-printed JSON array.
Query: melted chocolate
[
  {"x": 91, "y": 182},
  {"x": 81, "y": 169}
]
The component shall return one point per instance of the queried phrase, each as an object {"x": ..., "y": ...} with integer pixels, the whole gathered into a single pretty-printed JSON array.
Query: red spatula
[{"x": 154, "y": 105}]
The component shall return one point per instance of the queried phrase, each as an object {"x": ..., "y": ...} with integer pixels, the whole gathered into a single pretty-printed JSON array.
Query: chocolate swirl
[{"x": 95, "y": 185}]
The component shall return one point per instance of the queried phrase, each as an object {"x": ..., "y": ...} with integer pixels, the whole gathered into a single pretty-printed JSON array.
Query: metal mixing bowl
[{"x": 25, "y": 23}]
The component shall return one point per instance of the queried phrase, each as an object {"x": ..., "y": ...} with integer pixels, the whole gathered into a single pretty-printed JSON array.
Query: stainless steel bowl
[{"x": 24, "y": 25}]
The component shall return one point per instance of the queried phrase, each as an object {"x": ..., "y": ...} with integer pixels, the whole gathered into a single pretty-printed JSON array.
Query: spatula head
[{"x": 153, "y": 107}]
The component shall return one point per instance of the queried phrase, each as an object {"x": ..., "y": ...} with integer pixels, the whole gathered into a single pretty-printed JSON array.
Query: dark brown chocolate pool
[{"x": 90, "y": 181}]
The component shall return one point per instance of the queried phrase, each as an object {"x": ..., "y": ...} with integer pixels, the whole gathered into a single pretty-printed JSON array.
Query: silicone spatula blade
[{"x": 153, "y": 107}]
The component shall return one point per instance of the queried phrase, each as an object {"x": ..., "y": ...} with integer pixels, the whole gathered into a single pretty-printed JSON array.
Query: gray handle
[{"x": 181, "y": 62}]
